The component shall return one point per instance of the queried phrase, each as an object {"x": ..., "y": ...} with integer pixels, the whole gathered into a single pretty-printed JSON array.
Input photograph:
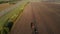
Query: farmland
[{"x": 4, "y": 6}]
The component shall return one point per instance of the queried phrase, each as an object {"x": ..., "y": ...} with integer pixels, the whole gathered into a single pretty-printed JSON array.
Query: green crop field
[{"x": 11, "y": 16}]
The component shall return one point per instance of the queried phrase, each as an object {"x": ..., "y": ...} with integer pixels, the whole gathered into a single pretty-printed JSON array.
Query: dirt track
[{"x": 46, "y": 16}]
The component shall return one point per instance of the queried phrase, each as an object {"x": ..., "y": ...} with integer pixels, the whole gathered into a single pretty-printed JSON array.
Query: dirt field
[
  {"x": 44, "y": 16},
  {"x": 4, "y": 6}
]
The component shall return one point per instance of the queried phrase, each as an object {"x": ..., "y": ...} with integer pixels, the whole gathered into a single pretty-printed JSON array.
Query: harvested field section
[{"x": 4, "y": 6}]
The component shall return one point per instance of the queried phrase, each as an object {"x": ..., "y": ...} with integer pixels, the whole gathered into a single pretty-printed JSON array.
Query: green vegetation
[
  {"x": 3, "y": 2},
  {"x": 8, "y": 1},
  {"x": 10, "y": 17}
]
